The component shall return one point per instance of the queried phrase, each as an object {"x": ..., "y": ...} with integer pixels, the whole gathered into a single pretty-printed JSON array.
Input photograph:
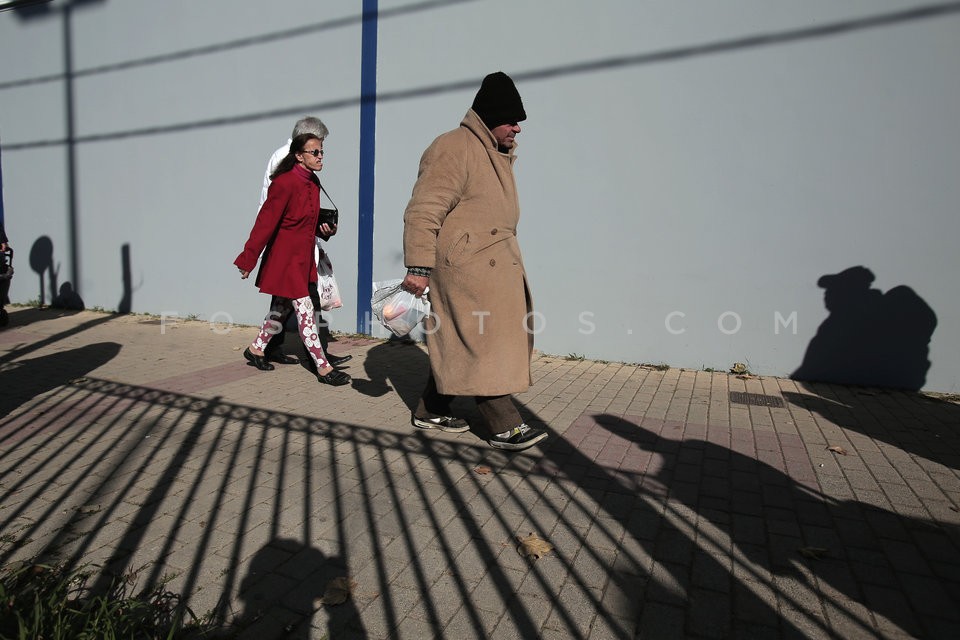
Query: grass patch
[
  {"x": 660, "y": 366},
  {"x": 54, "y": 603},
  {"x": 944, "y": 397}
]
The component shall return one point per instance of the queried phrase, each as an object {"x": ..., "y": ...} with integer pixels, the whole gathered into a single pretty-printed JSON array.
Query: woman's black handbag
[{"x": 328, "y": 216}]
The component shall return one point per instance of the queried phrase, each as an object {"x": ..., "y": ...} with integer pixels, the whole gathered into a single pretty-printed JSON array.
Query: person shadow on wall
[
  {"x": 870, "y": 338},
  {"x": 41, "y": 261},
  {"x": 126, "y": 300},
  {"x": 282, "y": 591}
]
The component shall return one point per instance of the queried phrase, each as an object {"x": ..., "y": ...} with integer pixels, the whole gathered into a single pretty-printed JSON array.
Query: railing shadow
[
  {"x": 195, "y": 491},
  {"x": 661, "y": 528}
]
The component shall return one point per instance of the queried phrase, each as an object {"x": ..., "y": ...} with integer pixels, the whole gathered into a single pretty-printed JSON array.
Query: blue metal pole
[
  {"x": 1, "y": 181},
  {"x": 368, "y": 144}
]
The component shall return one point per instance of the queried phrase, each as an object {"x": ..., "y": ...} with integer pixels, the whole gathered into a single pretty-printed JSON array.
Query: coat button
[
  {"x": 493, "y": 262},
  {"x": 494, "y": 232}
]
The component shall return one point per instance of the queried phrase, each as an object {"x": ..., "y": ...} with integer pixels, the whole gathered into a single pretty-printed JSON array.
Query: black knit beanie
[{"x": 498, "y": 101}]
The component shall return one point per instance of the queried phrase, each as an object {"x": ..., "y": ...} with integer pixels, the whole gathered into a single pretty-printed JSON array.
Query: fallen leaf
[
  {"x": 533, "y": 546},
  {"x": 837, "y": 449},
  {"x": 814, "y": 553},
  {"x": 337, "y": 592},
  {"x": 483, "y": 470},
  {"x": 746, "y": 376}
]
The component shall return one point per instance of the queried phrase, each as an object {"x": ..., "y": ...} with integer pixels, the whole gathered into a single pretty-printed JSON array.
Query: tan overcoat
[{"x": 462, "y": 222}]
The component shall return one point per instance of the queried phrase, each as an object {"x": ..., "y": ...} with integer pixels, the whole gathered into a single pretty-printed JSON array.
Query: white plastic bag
[
  {"x": 327, "y": 285},
  {"x": 398, "y": 310}
]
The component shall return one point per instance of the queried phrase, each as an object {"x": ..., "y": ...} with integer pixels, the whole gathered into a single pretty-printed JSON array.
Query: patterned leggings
[{"x": 280, "y": 309}]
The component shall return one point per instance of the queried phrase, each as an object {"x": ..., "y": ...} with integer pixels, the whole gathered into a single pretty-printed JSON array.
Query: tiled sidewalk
[{"x": 675, "y": 510}]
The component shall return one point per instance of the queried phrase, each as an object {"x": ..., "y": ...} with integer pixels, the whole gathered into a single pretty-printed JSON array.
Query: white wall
[
  {"x": 171, "y": 154},
  {"x": 693, "y": 157}
]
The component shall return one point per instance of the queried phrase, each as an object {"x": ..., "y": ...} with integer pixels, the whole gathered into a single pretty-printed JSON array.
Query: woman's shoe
[
  {"x": 336, "y": 361},
  {"x": 259, "y": 362},
  {"x": 335, "y": 378},
  {"x": 281, "y": 358}
]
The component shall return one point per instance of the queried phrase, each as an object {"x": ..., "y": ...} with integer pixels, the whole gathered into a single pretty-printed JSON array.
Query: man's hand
[
  {"x": 415, "y": 284},
  {"x": 244, "y": 274},
  {"x": 3, "y": 246}
]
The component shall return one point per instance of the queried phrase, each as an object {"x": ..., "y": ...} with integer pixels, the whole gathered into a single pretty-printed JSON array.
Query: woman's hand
[
  {"x": 327, "y": 231},
  {"x": 415, "y": 284}
]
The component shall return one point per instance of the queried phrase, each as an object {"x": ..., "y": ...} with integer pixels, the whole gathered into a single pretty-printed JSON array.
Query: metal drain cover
[{"x": 757, "y": 399}]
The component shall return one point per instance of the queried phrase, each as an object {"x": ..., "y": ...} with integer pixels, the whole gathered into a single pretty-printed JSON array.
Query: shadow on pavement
[
  {"x": 23, "y": 380},
  {"x": 679, "y": 581},
  {"x": 404, "y": 367},
  {"x": 23, "y": 316},
  {"x": 924, "y": 426},
  {"x": 884, "y": 562},
  {"x": 45, "y": 314},
  {"x": 394, "y": 366},
  {"x": 286, "y": 582}
]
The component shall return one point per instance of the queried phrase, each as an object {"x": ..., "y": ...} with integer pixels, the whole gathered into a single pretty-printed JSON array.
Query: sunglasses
[{"x": 314, "y": 152}]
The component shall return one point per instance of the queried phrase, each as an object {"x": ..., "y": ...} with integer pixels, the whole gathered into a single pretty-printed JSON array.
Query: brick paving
[{"x": 674, "y": 512}]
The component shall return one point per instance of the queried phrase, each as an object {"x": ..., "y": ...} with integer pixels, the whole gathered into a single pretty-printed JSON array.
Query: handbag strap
[{"x": 328, "y": 196}]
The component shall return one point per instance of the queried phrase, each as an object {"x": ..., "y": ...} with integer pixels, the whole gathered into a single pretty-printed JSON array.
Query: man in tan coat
[{"x": 460, "y": 239}]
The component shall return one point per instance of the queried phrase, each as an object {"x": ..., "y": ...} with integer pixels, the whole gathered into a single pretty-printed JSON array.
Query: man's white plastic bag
[{"x": 398, "y": 310}]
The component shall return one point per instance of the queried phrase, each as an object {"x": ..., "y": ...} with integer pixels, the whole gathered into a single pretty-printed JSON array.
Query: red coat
[{"x": 285, "y": 228}]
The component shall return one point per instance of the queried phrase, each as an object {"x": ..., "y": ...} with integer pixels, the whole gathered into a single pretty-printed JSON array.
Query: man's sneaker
[
  {"x": 443, "y": 423},
  {"x": 518, "y": 438}
]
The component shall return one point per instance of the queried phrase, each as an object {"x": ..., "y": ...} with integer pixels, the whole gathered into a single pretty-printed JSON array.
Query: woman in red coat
[{"x": 284, "y": 231}]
